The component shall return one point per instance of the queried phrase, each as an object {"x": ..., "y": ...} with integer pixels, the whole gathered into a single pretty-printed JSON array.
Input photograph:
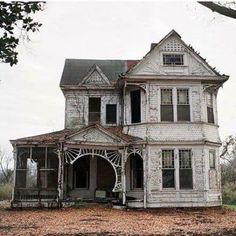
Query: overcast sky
[{"x": 31, "y": 102}]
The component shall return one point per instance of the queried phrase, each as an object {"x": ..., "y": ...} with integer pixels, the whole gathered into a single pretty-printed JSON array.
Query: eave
[{"x": 143, "y": 77}]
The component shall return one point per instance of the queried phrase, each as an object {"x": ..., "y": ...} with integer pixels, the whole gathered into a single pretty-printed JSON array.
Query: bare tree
[
  {"x": 6, "y": 172},
  {"x": 223, "y": 8}
]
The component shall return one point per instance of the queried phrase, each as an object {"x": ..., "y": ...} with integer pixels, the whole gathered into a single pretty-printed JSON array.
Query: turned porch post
[
  {"x": 60, "y": 173},
  {"x": 124, "y": 158},
  {"x": 145, "y": 172},
  {"x": 14, "y": 174}
]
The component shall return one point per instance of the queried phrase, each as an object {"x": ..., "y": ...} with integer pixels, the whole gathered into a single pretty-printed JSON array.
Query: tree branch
[{"x": 219, "y": 9}]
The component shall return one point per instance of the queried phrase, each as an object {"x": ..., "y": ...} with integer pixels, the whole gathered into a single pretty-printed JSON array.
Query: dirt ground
[{"x": 101, "y": 220}]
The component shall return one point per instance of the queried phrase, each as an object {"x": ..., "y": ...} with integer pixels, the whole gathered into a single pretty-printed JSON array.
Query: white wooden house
[{"x": 142, "y": 132}]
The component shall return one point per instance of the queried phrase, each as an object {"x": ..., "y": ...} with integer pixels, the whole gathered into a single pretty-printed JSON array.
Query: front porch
[{"x": 67, "y": 171}]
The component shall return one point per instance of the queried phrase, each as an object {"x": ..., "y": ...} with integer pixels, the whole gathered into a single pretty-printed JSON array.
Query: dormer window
[{"x": 173, "y": 59}]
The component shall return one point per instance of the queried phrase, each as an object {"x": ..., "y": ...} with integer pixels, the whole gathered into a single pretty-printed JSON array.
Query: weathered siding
[{"x": 76, "y": 111}]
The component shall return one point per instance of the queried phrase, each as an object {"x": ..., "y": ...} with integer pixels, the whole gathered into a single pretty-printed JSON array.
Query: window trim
[
  {"x": 174, "y": 169},
  {"x": 191, "y": 168},
  {"x": 214, "y": 159},
  {"x": 210, "y": 106},
  {"x": 175, "y": 54},
  {"x": 175, "y": 103}
]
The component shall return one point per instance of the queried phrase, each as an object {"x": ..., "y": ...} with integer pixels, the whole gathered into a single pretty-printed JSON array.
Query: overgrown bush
[{"x": 5, "y": 192}]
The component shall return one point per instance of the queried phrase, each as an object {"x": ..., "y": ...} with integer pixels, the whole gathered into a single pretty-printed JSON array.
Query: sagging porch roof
[{"x": 66, "y": 134}]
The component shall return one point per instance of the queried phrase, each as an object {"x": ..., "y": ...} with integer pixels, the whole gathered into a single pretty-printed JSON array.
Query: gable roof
[
  {"x": 188, "y": 47},
  {"x": 65, "y": 134},
  {"x": 95, "y": 70},
  {"x": 75, "y": 70}
]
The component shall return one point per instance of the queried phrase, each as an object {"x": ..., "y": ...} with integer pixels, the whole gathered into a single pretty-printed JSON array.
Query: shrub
[
  {"x": 5, "y": 192},
  {"x": 229, "y": 193}
]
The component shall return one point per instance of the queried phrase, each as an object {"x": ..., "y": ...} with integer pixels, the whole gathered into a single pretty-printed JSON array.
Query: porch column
[
  {"x": 14, "y": 174},
  {"x": 124, "y": 158},
  {"x": 60, "y": 174},
  {"x": 145, "y": 172}
]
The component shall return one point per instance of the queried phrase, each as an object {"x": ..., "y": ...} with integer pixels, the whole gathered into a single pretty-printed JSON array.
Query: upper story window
[
  {"x": 135, "y": 106},
  {"x": 210, "y": 111},
  {"x": 175, "y": 104},
  {"x": 167, "y": 105},
  {"x": 111, "y": 113},
  {"x": 173, "y": 59},
  {"x": 212, "y": 159},
  {"x": 94, "y": 110},
  {"x": 183, "y": 107}
]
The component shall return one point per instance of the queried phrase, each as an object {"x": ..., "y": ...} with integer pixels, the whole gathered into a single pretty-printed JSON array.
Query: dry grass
[{"x": 99, "y": 220}]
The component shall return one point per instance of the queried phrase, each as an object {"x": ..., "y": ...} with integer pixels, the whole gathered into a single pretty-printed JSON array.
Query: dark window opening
[
  {"x": 81, "y": 173},
  {"x": 135, "y": 106},
  {"x": 136, "y": 170},
  {"x": 168, "y": 169},
  {"x": 185, "y": 169},
  {"x": 210, "y": 115},
  {"x": 173, "y": 59},
  {"x": 111, "y": 114},
  {"x": 183, "y": 107},
  {"x": 210, "y": 111},
  {"x": 167, "y": 113},
  {"x": 94, "y": 110}
]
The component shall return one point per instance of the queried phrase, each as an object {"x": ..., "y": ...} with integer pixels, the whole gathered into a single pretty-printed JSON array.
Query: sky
[{"x": 31, "y": 102}]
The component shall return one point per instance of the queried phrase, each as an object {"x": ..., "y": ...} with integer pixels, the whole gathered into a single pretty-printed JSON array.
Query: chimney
[{"x": 153, "y": 45}]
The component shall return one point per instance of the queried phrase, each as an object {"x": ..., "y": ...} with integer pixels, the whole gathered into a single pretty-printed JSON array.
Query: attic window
[{"x": 173, "y": 59}]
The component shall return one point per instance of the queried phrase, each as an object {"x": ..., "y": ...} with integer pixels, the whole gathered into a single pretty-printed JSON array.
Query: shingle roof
[
  {"x": 61, "y": 135},
  {"x": 76, "y": 69}
]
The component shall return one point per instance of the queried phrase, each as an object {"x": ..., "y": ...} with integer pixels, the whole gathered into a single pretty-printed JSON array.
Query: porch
[{"x": 48, "y": 174}]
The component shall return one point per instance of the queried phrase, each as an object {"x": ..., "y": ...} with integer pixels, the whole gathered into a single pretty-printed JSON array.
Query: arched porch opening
[{"x": 92, "y": 177}]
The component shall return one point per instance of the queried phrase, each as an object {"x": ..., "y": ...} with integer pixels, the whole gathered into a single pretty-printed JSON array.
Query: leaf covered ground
[{"x": 101, "y": 220}]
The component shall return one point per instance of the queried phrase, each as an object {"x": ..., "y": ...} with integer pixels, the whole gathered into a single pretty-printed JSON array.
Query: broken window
[
  {"x": 183, "y": 108},
  {"x": 212, "y": 159},
  {"x": 166, "y": 105},
  {"x": 81, "y": 172},
  {"x": 135, "y": 106},
  {"x": 36, "y": 168},
  {"x": 173, "y": 59},
  {"x": 111, "y": 113},
  {"x": 168, "y": 169},
  {"x": 136, "y": 171},
  {"x": 185, "y": 169},
  {"x": 210, "y": 112},
  {"x": 94, "y": 110}
]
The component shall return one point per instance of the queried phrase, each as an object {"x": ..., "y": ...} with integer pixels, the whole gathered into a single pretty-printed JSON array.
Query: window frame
[
  {"x": 213, "y": 151},
  {"x": 185, "y": 168},
  {"x": 164, "y": 104},
  {"x": 173, "y": 168},
  {"x": 94, "y": 112},
  {"x": 111, "y": 104},
  {"x": 166, "y": 54},
  {"x": 175, "y": 103},
  {"x": 186, "y": 104},
  {"x": 210, "y": 108}
]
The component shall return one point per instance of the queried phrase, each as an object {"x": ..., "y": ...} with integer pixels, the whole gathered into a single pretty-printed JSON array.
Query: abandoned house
[{"x": 140, "y": 132}]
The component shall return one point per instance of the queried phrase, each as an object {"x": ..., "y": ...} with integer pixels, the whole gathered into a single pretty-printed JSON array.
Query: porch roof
[{"x": 62, "y": 135}]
